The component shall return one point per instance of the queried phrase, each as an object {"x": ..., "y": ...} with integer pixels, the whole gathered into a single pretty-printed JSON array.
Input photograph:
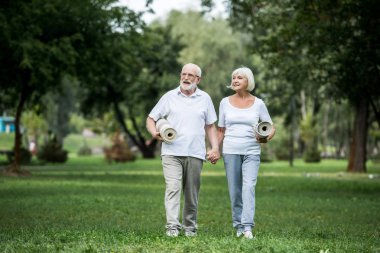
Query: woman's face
[{"x": 239, "y": 82}]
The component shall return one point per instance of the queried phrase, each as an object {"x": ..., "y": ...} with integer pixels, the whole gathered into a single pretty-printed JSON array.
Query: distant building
[{"x": 7, "y": 125}]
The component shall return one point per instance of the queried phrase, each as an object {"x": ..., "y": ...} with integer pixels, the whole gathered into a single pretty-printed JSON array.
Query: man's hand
[
  {"x": 156, "y": 135},
  {"x": 213, "y": 156}
]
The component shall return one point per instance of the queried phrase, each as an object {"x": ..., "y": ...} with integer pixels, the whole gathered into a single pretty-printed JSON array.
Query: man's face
[{"x": 189, "y": 78}]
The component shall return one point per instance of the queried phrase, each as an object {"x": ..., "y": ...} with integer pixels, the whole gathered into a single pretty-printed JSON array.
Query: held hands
[{"x": 213, "y": 156}]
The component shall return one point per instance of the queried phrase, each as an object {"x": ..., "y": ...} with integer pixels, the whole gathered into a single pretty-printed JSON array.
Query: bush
[
  {"x": 312, "y": 155},
  {"x": 119, "y": 151},
  {"x": 84, "y": 150},
  {"x": 26, "y": 156},
  {"x": 52, "y": 151}
]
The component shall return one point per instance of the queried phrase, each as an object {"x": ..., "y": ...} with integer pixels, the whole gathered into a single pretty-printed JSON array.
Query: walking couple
[{"x": 191, "y": 113}]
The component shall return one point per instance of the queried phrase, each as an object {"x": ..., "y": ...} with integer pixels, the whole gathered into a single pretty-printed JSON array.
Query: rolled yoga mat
[
  {"x": 167, "y": 132},
  {"x": 263, "y": 129}
]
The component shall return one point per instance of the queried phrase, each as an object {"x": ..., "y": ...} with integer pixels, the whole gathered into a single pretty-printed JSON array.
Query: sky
[{"x": 163, "y": 7}]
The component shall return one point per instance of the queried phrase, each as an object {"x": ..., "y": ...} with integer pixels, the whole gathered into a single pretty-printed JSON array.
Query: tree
[
  {"x": 58, "y": 108},
  {"x": 213, "y": 45},
  {"x": 42, "y": 41},
  {"x": 142, "y": 63},
  {"x": 340, "y": 40},
  {"x": 35, "y": 125}
]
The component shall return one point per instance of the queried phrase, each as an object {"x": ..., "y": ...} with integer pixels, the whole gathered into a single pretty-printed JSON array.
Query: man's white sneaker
[
  {"x": 239, "y": 233},
  {"x": 248, "y": 235},
  {"x": 172, "y": 232}
]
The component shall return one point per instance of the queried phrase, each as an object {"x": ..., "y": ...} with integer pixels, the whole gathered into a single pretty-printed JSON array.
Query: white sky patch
[{"x": 163, "y": 7}]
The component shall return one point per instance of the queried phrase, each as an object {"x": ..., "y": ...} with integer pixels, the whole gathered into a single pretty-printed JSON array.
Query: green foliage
[
  {"x": 317, "y": 48},
  {"x": 52, "y": 151},
  {"x": 44, "y": 41},
  {"x": 213, "y": 45},
  {"x": 143, "y": 61},
  {"x": 105, "y": 124},
  {"x": 326, "y": 38},
  {"x": 77, "y": 123},
  {"x": 58, "y": 107},
  {"x": 91, "y": 206},
  {"x": 34, "y": 123}
]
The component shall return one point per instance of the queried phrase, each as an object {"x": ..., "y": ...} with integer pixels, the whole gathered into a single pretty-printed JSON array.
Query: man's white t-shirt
[
  {"x": 188, "y": 115},
  {"x": 239, "y": 137}
]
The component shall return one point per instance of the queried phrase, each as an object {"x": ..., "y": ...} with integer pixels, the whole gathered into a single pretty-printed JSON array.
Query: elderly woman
[{"x": 238, "y": 114}]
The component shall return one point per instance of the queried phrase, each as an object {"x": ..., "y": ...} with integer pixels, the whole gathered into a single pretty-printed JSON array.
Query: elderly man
[{"x": 191, "y": 113}]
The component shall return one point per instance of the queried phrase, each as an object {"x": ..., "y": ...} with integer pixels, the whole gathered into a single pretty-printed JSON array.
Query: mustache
[{"x": 192, "y": 86}]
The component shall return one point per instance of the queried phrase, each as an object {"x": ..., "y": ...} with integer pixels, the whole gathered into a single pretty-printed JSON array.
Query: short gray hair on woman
[{"x": 247, "y": 73}]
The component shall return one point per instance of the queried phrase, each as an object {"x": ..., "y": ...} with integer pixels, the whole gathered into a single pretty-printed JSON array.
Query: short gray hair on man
[
  {"x": 247, "y": 73},
  {"x": 197, "y": 68}
]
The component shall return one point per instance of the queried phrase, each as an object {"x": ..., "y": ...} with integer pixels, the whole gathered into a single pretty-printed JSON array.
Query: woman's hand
[{"x": 261, "y": 139}]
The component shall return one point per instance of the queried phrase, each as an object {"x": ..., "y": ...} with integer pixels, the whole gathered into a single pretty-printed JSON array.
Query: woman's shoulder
[
  {"x": 258, "y": 100},
  {"x": 224, "y": 100}
]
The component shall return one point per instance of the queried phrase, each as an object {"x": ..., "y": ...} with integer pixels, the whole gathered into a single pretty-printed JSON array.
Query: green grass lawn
[
  {"x": 6, "y": 141},
  {"x": 72, "y": 142},
  {"x": 88, "y": 205}
]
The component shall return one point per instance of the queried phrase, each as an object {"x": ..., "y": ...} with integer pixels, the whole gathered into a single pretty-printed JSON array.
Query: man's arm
[
  {"x": 151, "y": 127},
  {"x": 213, "y": 155}
]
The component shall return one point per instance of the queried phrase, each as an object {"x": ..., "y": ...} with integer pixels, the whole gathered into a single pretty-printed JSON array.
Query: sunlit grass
[{"x": 88, "y": 205}]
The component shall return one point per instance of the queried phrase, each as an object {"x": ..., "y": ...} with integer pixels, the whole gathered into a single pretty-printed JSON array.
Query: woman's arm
[
  {"x": 268, "y": 138},
  {"x": 272, "y": 133}
]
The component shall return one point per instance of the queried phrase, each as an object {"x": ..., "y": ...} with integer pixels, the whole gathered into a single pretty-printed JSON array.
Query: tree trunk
[
  {"x": 291, "y": 132},
  {"x": 14, "y": 168},
  {"x": 358, "y": 154},
  {"x": 325, "y": 130},
  {"x": 147, "y": 150}
]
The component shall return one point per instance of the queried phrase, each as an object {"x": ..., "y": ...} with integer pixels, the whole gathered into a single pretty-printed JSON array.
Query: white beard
[{"x": 192, "y": 86}]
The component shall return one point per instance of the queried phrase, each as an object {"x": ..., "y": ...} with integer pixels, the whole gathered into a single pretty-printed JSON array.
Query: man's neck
[{"x": 188, "y": 92}]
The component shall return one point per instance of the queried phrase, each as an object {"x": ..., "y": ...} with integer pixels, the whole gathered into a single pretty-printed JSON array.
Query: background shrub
[
  {"x": 52, "y": 151},
  {"x": 84, "y": 150},
  {"x": 312, "y": 155}
]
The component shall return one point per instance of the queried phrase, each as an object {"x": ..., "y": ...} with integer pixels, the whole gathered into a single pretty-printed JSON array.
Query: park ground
[{"x": 87, "y": 205}]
